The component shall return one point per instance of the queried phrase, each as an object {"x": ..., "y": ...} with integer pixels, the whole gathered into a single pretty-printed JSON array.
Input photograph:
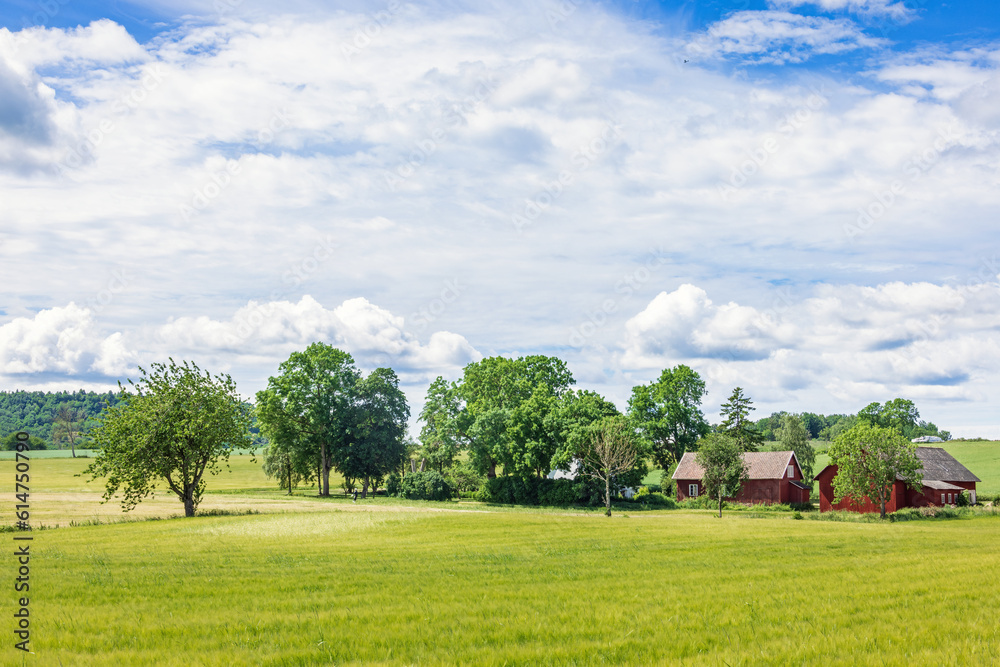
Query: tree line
[{"x": 501, "y": 428}]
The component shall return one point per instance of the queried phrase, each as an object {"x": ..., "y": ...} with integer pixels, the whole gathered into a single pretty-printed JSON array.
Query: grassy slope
[{"x": 494, "y": 588}]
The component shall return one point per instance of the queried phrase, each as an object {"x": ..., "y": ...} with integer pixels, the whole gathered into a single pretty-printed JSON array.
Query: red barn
[
  {"x": 772, "y": 477},
  {"x": 943, "y": 479}
]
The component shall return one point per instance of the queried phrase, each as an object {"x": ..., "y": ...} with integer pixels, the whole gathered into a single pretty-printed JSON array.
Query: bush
[
  {"x": 660, "y": 500},
  {"x": 963, "y": 499},
  {"x": 557, "y": 492},
  {"x": 426, "y": 485}
]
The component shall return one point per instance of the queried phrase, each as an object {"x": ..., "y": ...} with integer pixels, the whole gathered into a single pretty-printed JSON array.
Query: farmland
[{"x": 329, "y": 581}]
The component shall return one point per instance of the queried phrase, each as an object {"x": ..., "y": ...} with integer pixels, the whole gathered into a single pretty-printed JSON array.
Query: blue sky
[{"x": 795, "y": 196}]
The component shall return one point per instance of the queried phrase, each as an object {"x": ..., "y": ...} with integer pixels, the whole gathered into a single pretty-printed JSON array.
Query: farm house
[
  {"x": 773, "y": 477},
  {"x": 944, "y": 478}
]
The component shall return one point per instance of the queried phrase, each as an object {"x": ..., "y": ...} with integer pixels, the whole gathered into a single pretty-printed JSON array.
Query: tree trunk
[
  {"x": 188, "y": 503},
  {"x": 413, "y": 465},
  {"x": 325, "y": 470},
  {"x": 492, "y": 473},
  {"x": 720, "y": 504},
  {"x": 423, "y": 464},
  {"x": 607, "y": 494},
  {"x": 364, "y": 487}
]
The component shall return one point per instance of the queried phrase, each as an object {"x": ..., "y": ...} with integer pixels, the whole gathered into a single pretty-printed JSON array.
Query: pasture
[{"x": 316, "y": 581}]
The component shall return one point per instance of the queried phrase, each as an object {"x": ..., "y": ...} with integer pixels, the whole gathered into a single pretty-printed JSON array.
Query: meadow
[{"x": 315, "y": 581}]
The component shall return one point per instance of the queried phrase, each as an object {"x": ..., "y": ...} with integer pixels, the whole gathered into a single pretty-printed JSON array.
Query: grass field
[{"x": 315, "y": 581}]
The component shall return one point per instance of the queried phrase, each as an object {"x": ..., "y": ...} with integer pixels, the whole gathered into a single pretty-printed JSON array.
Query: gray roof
[
  {"x": 760, "y": 465},
  {"x": 941, "y": 486},
  {"x": 940, "y": 466}
]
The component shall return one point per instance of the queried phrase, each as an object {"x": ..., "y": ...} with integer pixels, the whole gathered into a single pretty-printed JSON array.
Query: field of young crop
[{"x": 388, "y": 582}]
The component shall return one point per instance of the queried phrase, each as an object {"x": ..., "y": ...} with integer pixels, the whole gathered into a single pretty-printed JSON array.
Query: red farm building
[
  {"x": 943, "y": 479},
  {"x": 772, "y": 477}
]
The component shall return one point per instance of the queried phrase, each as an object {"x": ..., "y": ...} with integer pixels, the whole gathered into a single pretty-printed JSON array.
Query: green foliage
[
  {"x": 721, "y": 456},
  {"x": 793, "y": 435},
  {"x": 668, "y": 414},
  {"x": 440, "y": 437},
  {"x": 736, "y": 421},
  {"x": 177, "y": 425},
  {"x": 962, "y": 499},
  {"x": 9, "y": 442},
  {"x": 464, "y": 478},
  {"x": 308, "y": 411},
  {"x": 869, "y": 459},
  {"x": 34, "y": 412},
  {"x": 426, "y": 485}
]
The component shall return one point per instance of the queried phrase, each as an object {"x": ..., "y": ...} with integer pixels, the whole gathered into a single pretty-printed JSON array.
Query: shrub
[
  {"x": 557, "y": 492},
  {"x": 660, "y": 500},
  {"x": 963, "y": 499},
  {"x": 640, "y": 493},
  {"x": 797, "y": 516},
  {"x": 426, "y": 485}
]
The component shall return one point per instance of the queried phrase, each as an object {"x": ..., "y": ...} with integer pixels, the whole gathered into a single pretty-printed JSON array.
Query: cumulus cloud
[
  {"x": 62, "y": 340},
  {"x": 775, "y": 37},
  {"x": 920, "y": 339}
]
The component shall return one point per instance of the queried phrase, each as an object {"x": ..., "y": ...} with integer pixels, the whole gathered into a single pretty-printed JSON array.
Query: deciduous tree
[
  {"x": 792, "y": 434},
  {"x": 308, "y": 410},
  {"x": 177, "y": 425},
  {"x": 869, "y": 459},
  {"x": 725, "y": 470},
  {"x": 668, "y": 413},
  {"x": 612, "y": 450}
]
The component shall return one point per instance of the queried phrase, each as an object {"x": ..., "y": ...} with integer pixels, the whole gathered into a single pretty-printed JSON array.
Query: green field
[{"x": 316, "y": 581}]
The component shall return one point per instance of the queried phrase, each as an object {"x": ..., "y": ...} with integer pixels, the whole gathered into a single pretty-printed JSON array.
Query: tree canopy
[
  {"x": 668, "y": 414},
  {"x": 792, "y": 434},
  {"x": 869, "y": 459},
  {"x": 176, "y": 426},
  {"x": 307, "y": 411},
  {"x": 736, "y": 421},
  {"x": 721, "y": 456}
]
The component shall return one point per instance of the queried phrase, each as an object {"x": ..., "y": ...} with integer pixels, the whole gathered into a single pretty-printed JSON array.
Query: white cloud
[
  {"x": 896, "y": 10},
  {"x": 61, "y": 340},
  {"x": 854, "y": 343},
  {"x": 777, "y": 37}
]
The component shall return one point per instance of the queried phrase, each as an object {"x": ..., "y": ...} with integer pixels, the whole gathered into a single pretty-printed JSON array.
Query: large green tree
[
  {"x": 441, "y": 433},
  {"x": 571, "y": 423},
  {"x": 377, "y": 443},
  {"x": 668, "y": 414},
  {"x": 498, "y": 411},
  {"x": 899, "y": 413},
  {"x": 736, "y": 421},
  {"x": 308, "y": 410},
  {"x": 869, "y": 459},
  {"x": 792, "y": 434},
  {"x": 177, "y": 425},
  {"x": 721, "y": 456}
]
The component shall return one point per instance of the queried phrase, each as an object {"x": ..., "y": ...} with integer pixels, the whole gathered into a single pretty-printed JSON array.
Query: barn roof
[
  {"x": 940, "y": 466},
  {"x": 760, "y": 465}
]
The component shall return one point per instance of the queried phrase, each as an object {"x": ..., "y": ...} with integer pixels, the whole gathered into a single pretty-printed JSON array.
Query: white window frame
[
  {"x": 942, "y": 499},
  {"x": 791, "y": 470},
  {"x": 692, "y": 490}
]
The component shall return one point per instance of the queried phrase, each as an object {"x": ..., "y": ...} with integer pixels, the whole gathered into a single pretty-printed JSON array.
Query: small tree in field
[
  {"x": 869, "y": 459},
  {"x": 725, "y": 471},
  {"x": 176, "y": 426},
  {"x": 611, "y": 450}
]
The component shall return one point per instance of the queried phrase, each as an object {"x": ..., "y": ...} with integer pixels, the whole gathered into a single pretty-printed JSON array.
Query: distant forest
[
  {"x": 828, "y": 427},
  {"x": 35, "y": 411}
]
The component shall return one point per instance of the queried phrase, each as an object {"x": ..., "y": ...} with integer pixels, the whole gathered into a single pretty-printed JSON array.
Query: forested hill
[{"x": 34, "y": 411}]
